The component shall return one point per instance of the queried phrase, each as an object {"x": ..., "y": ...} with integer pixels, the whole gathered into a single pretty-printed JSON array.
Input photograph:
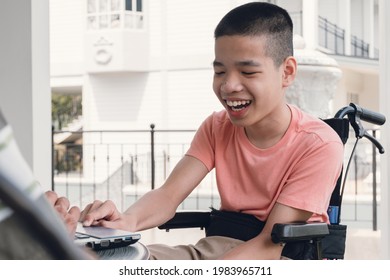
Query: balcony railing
[
  {"x": 123, "y": 165},
  {"x": 359, "y": 48},
  {"x": 332, "y": 37}
]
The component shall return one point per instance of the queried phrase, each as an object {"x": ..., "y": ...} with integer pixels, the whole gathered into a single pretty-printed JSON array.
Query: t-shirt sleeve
[
  {"x": 313, "y": 178},
  {"x": 203, "y": 144}
]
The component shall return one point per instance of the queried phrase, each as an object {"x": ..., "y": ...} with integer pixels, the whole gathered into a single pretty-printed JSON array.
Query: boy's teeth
[{"x": 238, "y": 104}]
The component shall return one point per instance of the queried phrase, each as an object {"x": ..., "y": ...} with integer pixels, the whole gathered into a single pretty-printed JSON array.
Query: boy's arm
[
  {"x": 262, "y": 247},
  {"x": 155, "y": 207}
]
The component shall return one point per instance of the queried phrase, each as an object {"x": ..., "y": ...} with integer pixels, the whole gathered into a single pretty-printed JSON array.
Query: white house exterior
[{"x": 160, "y": 71}]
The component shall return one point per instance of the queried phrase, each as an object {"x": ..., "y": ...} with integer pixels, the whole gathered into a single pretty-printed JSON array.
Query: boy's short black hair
[{"x": 257, "y": 19}]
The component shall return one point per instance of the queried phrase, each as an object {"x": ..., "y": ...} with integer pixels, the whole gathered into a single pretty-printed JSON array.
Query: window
[
  {"x": 130, "y": 5},
  {"x": 114, "y": 14},
  {"x": 134, "y": 14}
]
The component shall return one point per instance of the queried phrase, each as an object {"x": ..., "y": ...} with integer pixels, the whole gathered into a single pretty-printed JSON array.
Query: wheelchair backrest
[{"x": 341, "y": 126}]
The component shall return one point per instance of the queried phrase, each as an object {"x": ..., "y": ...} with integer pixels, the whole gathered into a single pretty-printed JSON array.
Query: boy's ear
[{"x": 289, "y": 71}]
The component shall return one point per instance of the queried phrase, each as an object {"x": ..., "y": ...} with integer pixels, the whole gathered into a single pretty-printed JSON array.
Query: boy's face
[{"x": 247, "y": 82}]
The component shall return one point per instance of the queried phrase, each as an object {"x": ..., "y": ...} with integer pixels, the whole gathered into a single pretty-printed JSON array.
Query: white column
[
  {"x": 345, "y": 22},
  {"x": 369, "y": 27},
  {"x": 384, "y": 80},
  {"x": 310, "y": 23},
  {"x": 24, "y": 80}
]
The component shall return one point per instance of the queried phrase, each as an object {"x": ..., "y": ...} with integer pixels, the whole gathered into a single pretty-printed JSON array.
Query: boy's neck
[{"x": 270, "y": 131}]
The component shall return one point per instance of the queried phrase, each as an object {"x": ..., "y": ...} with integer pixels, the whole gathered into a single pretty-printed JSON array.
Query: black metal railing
[
  {"x": 331, "y": 36},
  {"x": 123, "y": 165},
  {"x": 359, "y": 48}
]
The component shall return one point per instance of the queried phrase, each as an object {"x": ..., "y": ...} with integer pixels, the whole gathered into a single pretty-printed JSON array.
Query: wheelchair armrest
[
  {"x": 187, "y": 219},
  {"x": 283, "y": 233}
]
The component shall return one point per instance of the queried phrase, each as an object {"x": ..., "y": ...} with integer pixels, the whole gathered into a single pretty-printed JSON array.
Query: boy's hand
[{"x": 103, "y": 214}]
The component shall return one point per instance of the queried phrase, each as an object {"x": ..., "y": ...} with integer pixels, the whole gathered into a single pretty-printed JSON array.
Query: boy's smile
[{"x": 238, "y": 106}]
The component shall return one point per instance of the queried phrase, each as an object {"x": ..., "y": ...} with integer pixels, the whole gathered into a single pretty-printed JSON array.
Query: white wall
[
  {"x": 67, "y": 28},
  {"x": 369, "y": 96},
  {"x": 177, "y": 93},
  {"x": 24, "y": 80},
  {"x": 329, "y": 10}
]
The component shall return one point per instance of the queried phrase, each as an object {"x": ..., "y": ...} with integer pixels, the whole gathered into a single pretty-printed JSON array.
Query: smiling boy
[{"x": 272, "y": 161}]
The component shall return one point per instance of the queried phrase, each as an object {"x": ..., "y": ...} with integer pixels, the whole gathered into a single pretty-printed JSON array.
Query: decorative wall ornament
[{"x": 103, "y": 56}]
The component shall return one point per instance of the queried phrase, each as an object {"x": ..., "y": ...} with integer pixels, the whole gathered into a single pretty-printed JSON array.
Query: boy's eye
[
  {"x": 248, "y": 73},
  {"x": 219, "y": 72}
]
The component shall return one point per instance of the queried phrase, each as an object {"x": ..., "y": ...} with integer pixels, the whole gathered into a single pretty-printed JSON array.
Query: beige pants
[{"x": 208, "y": 248}]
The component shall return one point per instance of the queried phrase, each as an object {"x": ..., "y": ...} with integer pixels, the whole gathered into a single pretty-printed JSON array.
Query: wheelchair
[{"x": 303, "y": 241}]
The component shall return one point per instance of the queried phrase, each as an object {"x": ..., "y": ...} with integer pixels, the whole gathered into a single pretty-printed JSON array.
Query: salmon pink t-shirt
[{"x": 299, "y": 171}]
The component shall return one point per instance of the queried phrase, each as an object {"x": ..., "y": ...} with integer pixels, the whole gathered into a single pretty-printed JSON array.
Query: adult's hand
[{"x": 70, "y": 216}]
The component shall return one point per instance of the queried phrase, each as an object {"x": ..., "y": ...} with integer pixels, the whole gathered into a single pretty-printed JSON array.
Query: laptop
[{"x": 101, "y": 238}]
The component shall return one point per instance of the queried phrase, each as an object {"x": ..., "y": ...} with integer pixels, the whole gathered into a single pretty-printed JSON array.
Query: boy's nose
[{"x": 231, "y": 86}]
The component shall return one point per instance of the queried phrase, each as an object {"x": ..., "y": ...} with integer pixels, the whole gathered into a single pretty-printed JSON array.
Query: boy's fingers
[{"x": 99, "y": 211}]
